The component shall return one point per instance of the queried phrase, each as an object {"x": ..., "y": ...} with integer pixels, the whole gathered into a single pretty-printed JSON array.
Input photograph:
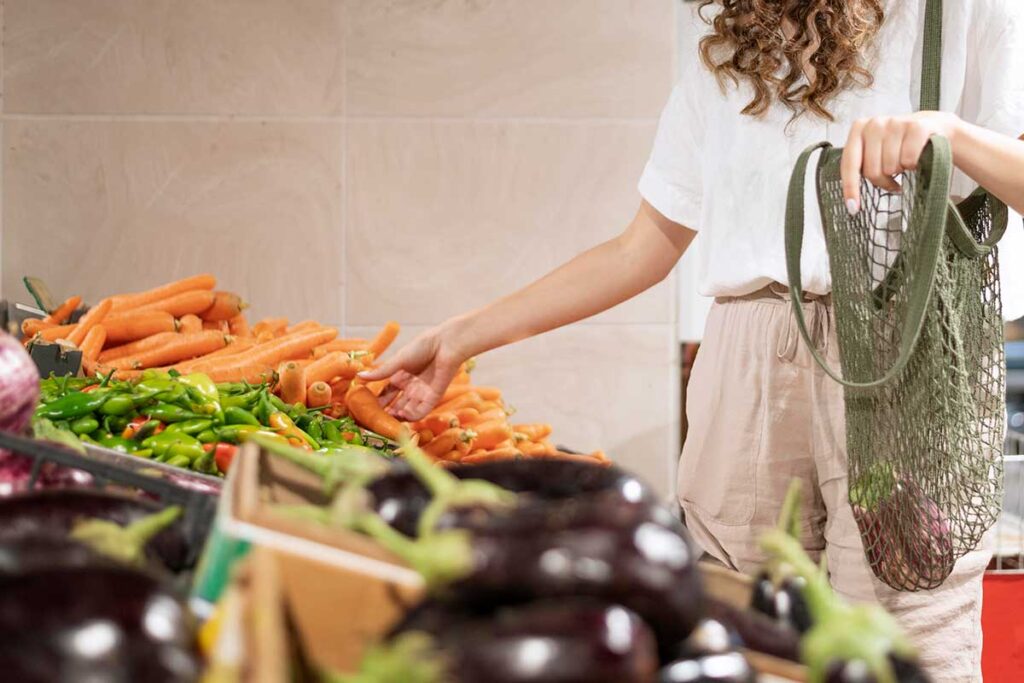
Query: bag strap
[
  {"x": 937, "y": 166},
  {"x": 931, "y": 58}
]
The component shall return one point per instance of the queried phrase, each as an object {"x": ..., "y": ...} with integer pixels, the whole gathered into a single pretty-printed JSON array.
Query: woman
[{"x": 772, "y": 78}]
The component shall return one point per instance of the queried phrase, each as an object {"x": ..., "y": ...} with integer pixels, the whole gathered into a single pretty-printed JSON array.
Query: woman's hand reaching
[{"x": 419, "y": 374}]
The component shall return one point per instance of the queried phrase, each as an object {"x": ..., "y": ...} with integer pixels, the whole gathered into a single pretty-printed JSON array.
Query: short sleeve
[{"x": 672, "y": 180}]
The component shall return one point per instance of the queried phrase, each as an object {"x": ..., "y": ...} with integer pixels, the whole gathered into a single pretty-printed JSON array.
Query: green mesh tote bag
[{"x": 915, "y": 286}]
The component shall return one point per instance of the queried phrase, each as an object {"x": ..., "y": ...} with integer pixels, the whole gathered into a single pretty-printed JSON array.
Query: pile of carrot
[{"x": 189, "y": 326}]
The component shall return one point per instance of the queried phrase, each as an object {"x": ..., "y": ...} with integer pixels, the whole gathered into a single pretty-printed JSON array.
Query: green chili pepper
[
  {"x": 246, "y": 400},
  {"x": 315, "y": 430},
  {"x": 158, "y": 388},
  {"x": 191, "y": 427},
  {"x": 73, "y": 405},
  {"x": 162, "y": 443},
  {"x": 89, "y": 439},
  {"x": 207, "y": 436},
  {"x": 237, "y": 433},
  {"x": 118, "y": 404},
  {"x": 143, "y": 453},
  {"x": 145, "y": 430},
  {"x": 85, "y": 425},
  {"x": 190, "y": 450},
  {"x": 179, "y": 461},
  {"x": 166, "y": 412},
  {"x": 278, "y": 403},
  {"x": 233, "y": 415},
  {"x": 155, "y": 374},
  {"x": 206, "y": 463},
  {"x": 332, "y": 431},
  {"x": 263, "y": 407},
  {"x": 203, "y": 385},
  {"x": 117, "y": 443}
]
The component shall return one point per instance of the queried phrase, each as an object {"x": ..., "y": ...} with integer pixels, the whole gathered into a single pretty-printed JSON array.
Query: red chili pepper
[
  {"x": 348, "y": 436},
  {"x": 133, "y": 427},
  {"x": 223, "y": 454},
  {"x": 91, "y": 387}
]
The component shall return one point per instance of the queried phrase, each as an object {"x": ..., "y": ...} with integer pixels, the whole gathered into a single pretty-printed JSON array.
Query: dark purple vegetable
[
  {"x": 778, "y": 591},
  {"x": 16, "y": 471},
  {"x": 905, "y": 671},
  {"x": 96, "y": 623},
  {"x": 602, "y": 547},
  {"x": 45, "y": 552},
  {"x": 19, "y": 385},
  {"x": 727, "y": 667},
  {"x": 710, "y": 637},
  {"x": 567, "y": 641},
  {"x": 757, "y": 631},
  {"x": 55, "y": 513}
]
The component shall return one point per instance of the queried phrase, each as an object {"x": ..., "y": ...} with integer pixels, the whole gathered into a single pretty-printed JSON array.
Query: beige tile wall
[{"x": 354, "y": 161}]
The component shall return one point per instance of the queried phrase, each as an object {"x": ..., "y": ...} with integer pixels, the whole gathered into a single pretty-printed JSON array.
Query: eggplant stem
[
  {"x": 350, "y": 464},
  {"x": 440, "y": 558},
  {"x": 411, "y": 657},
  {"x": 149, "y": 526},
  {"x": 789, "y": 518},
  {"x": 437, "y": 480}
]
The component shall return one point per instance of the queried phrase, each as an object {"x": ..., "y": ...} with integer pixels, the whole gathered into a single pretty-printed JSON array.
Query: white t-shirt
[{"x": 724, "y": 174}]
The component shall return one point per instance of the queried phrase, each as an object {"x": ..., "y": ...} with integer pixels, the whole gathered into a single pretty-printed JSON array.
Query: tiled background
[{"x": 354, "y": 161}]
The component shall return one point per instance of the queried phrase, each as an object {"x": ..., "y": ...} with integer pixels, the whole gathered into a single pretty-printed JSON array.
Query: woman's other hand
[
  {"x": 419, "y": 374},
  {"x": 883, "y": 147}
]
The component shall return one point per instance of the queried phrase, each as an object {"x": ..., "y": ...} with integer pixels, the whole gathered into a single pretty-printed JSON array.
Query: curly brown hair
[{"x": 747, "y": 43}]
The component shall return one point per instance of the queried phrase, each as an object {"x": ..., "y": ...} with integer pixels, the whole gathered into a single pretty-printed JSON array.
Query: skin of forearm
[
  {"x": 993, "y": 161},
  {"x": 592, "y": 282}
]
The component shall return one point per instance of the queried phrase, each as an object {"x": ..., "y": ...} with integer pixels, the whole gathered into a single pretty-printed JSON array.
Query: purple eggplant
[
  {"x": 568, "y": 641},
  {"x": 602, "y": 547},
  {"x": 709, "y": 655},
  {"x": 400, "y": 497},
  {"x": 56, "y": 513},
  {"x": 32, "y": 553},
  {"x": 778, "y": 592},
  {"x": 757, "y": 631},
  {"x": 94, "y": 623},
  {"x": 904, "y": 670}
]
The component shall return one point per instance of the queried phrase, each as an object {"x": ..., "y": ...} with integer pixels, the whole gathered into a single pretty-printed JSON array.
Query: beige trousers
[{"x": 760, "y": 412}]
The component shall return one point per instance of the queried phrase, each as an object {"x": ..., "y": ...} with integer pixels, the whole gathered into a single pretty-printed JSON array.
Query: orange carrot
[
  {"x": 254, "y": 372},
  {"x": 532, "y": 449},
  {"x": 578, "y": 457},
  {"x": 318, "y": 394},
  {"x": 271, "y": 353},
  {"x": 54, "y": 333},
  {"x": 239, "y": 326},
  {"x": 489, "y": 434},
  {"x": 235, "y": 346},
  {"x": 365, "y": 409},
  {"x": 508, "y": 453},
  {"x": 30, "y": 326},
  {"x": 384, "y": 339},
  {"x": 443, "y": 442},
  {"x": 492, "y": 414},
  {"x": 335, "y": 364},
  {"x": 438, "y": 422},
  {"x": 181, "y": 347},
  {"x": 339, "y": 387},
  {"x": 93, "y": 342},
  {"x": 128, "y": 301},
  {"x": 486, "y": 393},
  {"x": 292, "y": 383},
  {"x": 532, "y": 432},
  {"x": 378, "y": 387},
  {"x": 272, "y": 325},
  {"x": 352, "y": 344},
  {"x": 60, "y": 314},
  {"x": 129, "y": 328},
  {"x": 136, "y": 347},
  {"x": 470, "y": 399},
  {"x": 95, "y": 315},
  {"x": 193, "y": 301},
  {"x": 189, "y": 323},
  {"x": 226, "y": 305},
  {"x": 218, "y": 325},
  {"x": 424, "y": 436},
  {"x": 467, "y": 416},
  {"x": 462, "y": 378}
]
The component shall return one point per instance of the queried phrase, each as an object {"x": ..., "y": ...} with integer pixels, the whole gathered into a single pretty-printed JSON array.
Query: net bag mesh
[{"x": 915, "y": 286}]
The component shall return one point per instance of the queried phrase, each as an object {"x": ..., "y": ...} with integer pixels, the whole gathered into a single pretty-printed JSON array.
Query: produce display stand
[
  {"x": 1003, "y": 602},
  {"x": 170, "y": 485}
]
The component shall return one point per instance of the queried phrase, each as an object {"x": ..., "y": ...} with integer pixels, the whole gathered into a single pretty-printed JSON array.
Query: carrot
[
  {"x": 235, "y": 345},
  {"x": 60, "y": 314},
  {"x": 384, "y": 339},
  {"x": 353, "y": 344},
  {"x": 486, "y": 393},
  {"x": 95, "y": 315},
  {"x": 30, "y": 326},
  {"x": 467, "y": 416},
  {"x": 124, "y": 329},
  {"x": 318, "y": 394},
  {"x": 271, "y": 353},
  {"x": 239, "y": 326},
  {"x": 225, "y": 306},
  {"x": 254, "y": 372},
  {"x": 470, "y": 399},
  {"x": 93, "y": 342},
  {"x": 189, "y": 323},
  {"x": 532, "y": 449},
  {"x": 446, "y": 441},
  {"x": 578, "y": 457},
  {"x": 438, "y": 422},
  {"x": 128, "y": 301},
  {"x": 378, "y": 387},
  {"x": 291, "y": 383},
  {"x": 532, "y": 432},
  {"x": 494, "y": 414},
  {"x": 181, "y": 347},
  {"x": 462, "y": 378},
  {"x": 365, "y": 409},
  {"x": 194, "y": 301},
  {"x": 425, "y": 436},
  {"x": 272, "y": 325},
  {"x": 507, "y": 453},
  {"x": 218, "y": 325},
  {"x": 489, "y": 434},
  {"x": 54, "y": 333},
  {"x": 335, "y": 364},
  {"x": 138, "y": 346},
  {"x": 339, "y": 387},
  {"x": 303, "y": 326}
]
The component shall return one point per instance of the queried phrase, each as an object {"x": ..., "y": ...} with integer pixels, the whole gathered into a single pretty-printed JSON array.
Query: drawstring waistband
[{"x": 819, "y": 318}]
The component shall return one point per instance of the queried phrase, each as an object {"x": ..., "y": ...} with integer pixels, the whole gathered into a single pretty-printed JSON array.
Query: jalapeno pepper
[
  {"x": 191, "y": 450},
  {"x": 118, "y": 404},
  {"x": 178, "y": 461},
  {"x": 279, "y": 404},
  {"x": 162, "y": 443},
  {"x": 247, "y": 400},
  {"x": 166, "y": 390},
  {"x": 207, "y": 463},
  {"x": 205, "y": 390},
  {"x": 263, "y": 407},
  {"x": 165, "y": 412},
  {"x": 117, "y": 443},
  {"x": 331, "y": 431},
  {"x": 190, "y": 427},
  {"x": 85, "y": 425},
  {"x": 207, "y": 436},
  {"x": 234, "y": 415},
  {"x": 286, "y": 428},
  {"x": 140, "y": 428},
  {"x": 73, "y": 406},
  {"x": 143, "y": 453}
]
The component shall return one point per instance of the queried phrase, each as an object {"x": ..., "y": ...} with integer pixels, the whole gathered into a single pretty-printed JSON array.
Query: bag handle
[{"x": 936, "y": 166}]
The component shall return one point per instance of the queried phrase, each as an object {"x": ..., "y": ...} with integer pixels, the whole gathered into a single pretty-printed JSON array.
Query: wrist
[{"x": 454, "y": 338}]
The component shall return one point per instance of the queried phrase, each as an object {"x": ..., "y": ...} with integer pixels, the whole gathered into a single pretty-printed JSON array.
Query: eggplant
[
  {"x": 568, "y": 641},
  {"x": 400, "y": 497},
  {"x": 604, "y": 548},
  {"x": 31, "y": 553},
  {"x": 757, "y": 631},
  {"x": 904, "y": 670},
  {"x": 778, "y": 592},
  {"x": 709, "y": 655},
  {"x": 847, "y": 642},
  {"x": 55, "y": 513},
  {"x": 94, "y": 623}
]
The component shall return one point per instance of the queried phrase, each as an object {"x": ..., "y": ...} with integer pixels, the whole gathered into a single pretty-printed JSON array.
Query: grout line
[{"x": 288, "y": 118}]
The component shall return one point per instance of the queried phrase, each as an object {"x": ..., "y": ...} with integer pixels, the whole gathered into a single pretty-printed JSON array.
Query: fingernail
[{"x": 852, "y": 206}]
